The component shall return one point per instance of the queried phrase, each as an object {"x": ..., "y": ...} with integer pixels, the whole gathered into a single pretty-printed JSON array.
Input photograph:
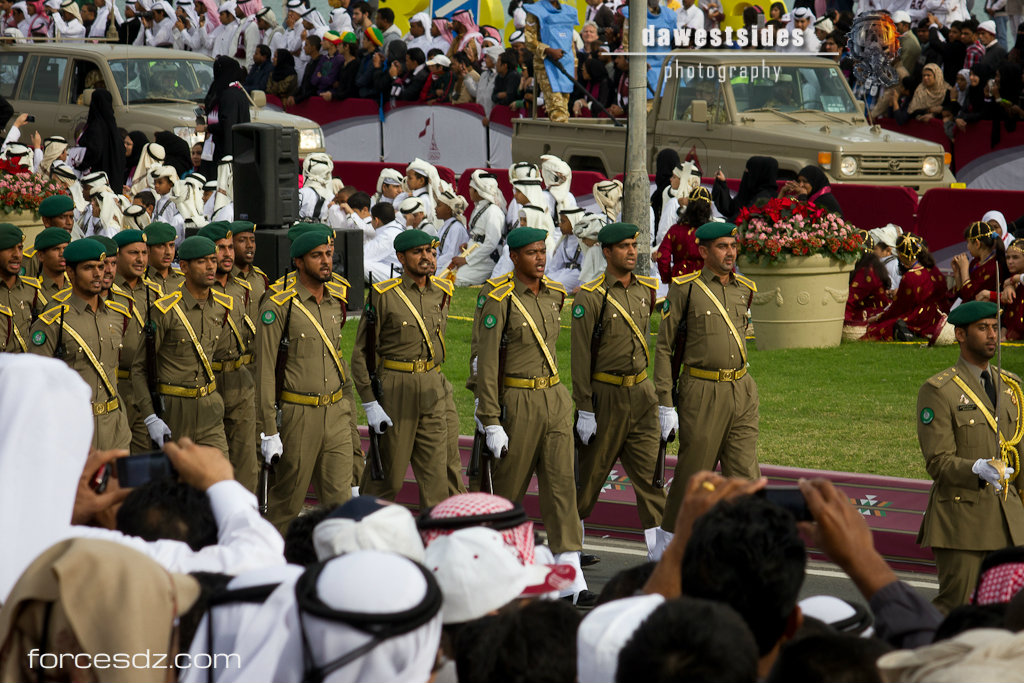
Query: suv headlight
[
  {"x": 931, "y": 166},
  {"x": 310, "y": 139},
  {"x": 848, "y": 166}
]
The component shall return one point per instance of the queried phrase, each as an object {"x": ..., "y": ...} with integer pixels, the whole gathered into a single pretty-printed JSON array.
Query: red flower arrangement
[
  {"x": 783, "y": 227},
  {"x": 22, "y": 191}
]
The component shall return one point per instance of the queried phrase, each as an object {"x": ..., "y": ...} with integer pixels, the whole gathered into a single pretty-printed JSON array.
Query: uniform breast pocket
[
  {"x": 113, "y": 336},
  {"x": 971, "y": 428},
  {"x": 178, "y": 343},
  {"x": 306, "y": 346},
  {"x": 740, "y": 317}
]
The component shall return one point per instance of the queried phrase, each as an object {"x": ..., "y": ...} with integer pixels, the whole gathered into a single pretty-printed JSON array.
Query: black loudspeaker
[
  {"x": 266, "y": 173},
  {"x": 272, "y": 255}
]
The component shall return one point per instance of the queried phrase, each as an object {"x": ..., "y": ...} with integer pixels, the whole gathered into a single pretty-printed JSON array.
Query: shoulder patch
[
  {"x": 32, "y": 281},
  {"x": 259, "y": 271},
  {"x": 555, "y": 285},
  {"x": 63, "y": 294},
  {"x": 650, "y": 282},
  {"x": 242, "y": 282},
  {"x": 385, "y": 285},
  {"x": 490, "y": 321},
  {"x": 746, "y": 281},
  {"x": 927, "y": 415},
  {"x": 268, "y": 317},
  {"x": 500, "y": 280},
  {"x": 120, "y": 308},
  {"x": 593, "y": 284},
  {"x": 281, "y": 297},
  {"x": 499, "y": 293},
  {"x": 340, "y": 280},
  {"x": 683, "y": 279},
  {"x": 578, "y": 311},
  {"x": 51, "y": 315},
  {"x": 223, "y": 299},
  {"x": 166, "y": 303},
  {"x": 941, "y": 379},
  {"x": 4, "y": 310},
  {"x": 445, "y": 285},
  {"x": 337, "y": 290},
  {"x": 38, "y": 337}
]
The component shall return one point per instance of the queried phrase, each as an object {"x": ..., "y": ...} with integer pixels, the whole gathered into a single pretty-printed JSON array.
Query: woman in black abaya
[
  {"x": 104, "y": 146},
  {"x": 226, "y": 106}
]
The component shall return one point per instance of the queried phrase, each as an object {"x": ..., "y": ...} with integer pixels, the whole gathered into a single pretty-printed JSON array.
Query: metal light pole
[{"x": 636, "y": 192}]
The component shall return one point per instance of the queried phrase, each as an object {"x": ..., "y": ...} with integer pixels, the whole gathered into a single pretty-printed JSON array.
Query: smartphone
[
  {"x": 30, "y": 119},
  {"x": 138, "y": 469},
  {"x": 789, "y": 498},
  {"x": 99, "y": 481}
]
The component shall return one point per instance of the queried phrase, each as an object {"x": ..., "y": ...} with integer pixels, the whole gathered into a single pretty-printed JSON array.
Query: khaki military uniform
[
  {"x": 718, "y": 403},
  {"x": 170, "y": 284},
  {"x": 91, "y": 342},
  {"x": 30, "y": 265},
  {"x": 192, "y": 405},
  {"x": 142, "y": 298},
  {"x": 49, "y": 289},
  {"x": 315, "y": 419},
  {"x": 258, "y": 284},
  {"x": 555, "y": 103},
  {"x": 19, "y": 306},
  {"x": 236, "y": 384},
  {"x": 966, "y": 518},
  {"x": 411, "y": 324},
  {"x": 538, "y": 410},
  {"x": 618, "y": 392}
]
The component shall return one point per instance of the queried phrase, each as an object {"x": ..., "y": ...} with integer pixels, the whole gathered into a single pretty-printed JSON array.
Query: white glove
[
  {"x": 271, "y": 448},
  {"x": 376, "y": 417},
  {"x": 476, "y": 407},
  {"x": 472, "y": 366},
  {"x": 586, "y": 426},
  {"x": 158, "y": 429},
  {"x": 669, "y": 419},
  {"x": 984, "y": 469},
  {"x": 497, "y": 440}
]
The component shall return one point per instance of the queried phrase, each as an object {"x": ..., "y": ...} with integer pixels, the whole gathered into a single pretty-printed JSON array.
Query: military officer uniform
[
  {"x": 89, "y": 342},
  {"x": 51, "y": 207},
  {"x": 188, "y": 335},
  {"x": 162, "y": 233},
  {"x": 410, "y": 348},
  {"x": 20, "y": 302},
  {"x": 315, "y": 419},
  {"x": 967, "y": 517},
  {"x": 613, "y": 386},
  {"x": 718, "y": 402},
  {"x": 256, "y": 279},
  {"x": 50, "y": 238}
]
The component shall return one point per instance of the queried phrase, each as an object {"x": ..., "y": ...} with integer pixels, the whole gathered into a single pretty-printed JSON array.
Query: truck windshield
[
  {"x": 162, "y": 80},
  {"x": 818, "y": 88}
]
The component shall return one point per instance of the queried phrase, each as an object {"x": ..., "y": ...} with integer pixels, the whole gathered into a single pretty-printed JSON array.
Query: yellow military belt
[
  {"x": 729, "y": 375},
  {"x": 532, "y": 382},
  {"x": 620, "y": 380},
  {"x": 315, "y": 400},
  {"x": 104, "y": 408},
  {"x": 229, "y": 365},
  {"x": 123, "y": 374},
  {"x": 186, "y": 392},
  {"x": 408, "y": 365}
]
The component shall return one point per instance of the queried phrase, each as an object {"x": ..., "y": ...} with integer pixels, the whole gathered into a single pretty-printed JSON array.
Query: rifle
[
  {"x": 60, "y": 351},
  {"x": 267, "y": 468},
  {"x": 678, "y": 347},
  {"x": 595, "y": 344},
  {"x": 370, "y": 352},
  {"x": 149, "y": 339},
  {"x": 486, "y": 477}
]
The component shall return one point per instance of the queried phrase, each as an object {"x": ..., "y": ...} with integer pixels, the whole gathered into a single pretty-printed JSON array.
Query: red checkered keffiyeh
[
  {"x": 518, "y": 538},
  {"x": 1000, "y": 583}
]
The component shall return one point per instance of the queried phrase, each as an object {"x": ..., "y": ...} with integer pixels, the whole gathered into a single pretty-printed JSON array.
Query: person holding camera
[{"x": 67, "y": 20}]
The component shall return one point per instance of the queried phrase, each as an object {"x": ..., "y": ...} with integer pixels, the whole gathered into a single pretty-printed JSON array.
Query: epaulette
[
  {"x": 29, "y": 253},
  {"x": 282, "y": 296},
  {"x": 385, "y": 285},
  {"x": 116, "y": 289},
  {"x": 593, "y": 284},
  {"x": 340, "y": 280},
  {"x": 242, "y": 282},
  {"x": 1010, "y": 376},
  {"x": 337, "y": 290},
  {"x": 747, "y": 282},
  {"x": 4, "y": 310},
  {"x": 646, "y": 281},
  {"x": 445, "y": 285},
  {"x": 50, "y": 315},
  {"x": 177, "y": 269},
  {"x": 32, "y": 281},
  {"x": 151, "y": 284},
  {"x": 941, "y": 379},
  {"x": 683, "y": 279},
  {"x": 555, "y": 285},
  {"x": 259, "y": 271},
  {"x": 166, "y": 303},
  {"x": 120, "y": 308},
  {"x": 63, "y": 294},
  {"x": 223, "y": 299},
  {"x": 500, "y": 292},
  {"x": 500, "y": 280},
  {"x": 121, "y": 293}
]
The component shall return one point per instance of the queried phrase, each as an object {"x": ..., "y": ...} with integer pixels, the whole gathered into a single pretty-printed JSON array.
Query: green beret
[
  {"x": 196, "y": 247},
  {"x": 10, "y": 235},
  {"x": 126, "y": 237},
  {"x": 613, "y": 233},
  {"x": 51, "y": 237},
  {"x": 160, "y": 233},
  {"x": 84, "y": 250},
  {"x": 242, "y": 226},
  {"x": 309, "y": 241},
  {"x": 712, "y": 231},
  {"x": 971, "y": 312},
  {"x": 300, "y": 229},
  {"x": 109, "y": 245},
  {"x": 520, "y": 237},
  {"x": 55, "y": 205},
  {"x": 216, "y": 230},
  {"x": 410, "y": 239}
]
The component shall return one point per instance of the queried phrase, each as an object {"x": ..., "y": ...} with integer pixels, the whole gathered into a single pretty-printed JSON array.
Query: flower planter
[
  {"x": 29, "y": 224},
  {"x": 800, "y": 302}
]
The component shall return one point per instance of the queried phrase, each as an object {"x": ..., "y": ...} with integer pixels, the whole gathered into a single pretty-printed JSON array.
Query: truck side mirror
[
  {"x": 259, "y": 99},
  {"x": 699, "y": 109}
]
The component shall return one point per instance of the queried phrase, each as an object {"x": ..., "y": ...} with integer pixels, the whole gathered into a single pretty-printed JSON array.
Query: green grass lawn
[{"x": 850, "y": 408}]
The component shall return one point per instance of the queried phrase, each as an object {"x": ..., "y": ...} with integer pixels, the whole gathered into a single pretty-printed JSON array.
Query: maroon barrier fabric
[
  {"x": 316, "y": 109},
  {"x": 872, "y": 206},
  {"x": 944, "y": 214}
]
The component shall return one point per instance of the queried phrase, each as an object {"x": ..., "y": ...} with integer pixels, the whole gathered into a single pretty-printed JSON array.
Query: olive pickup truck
[{"x": 720, "y": 109}]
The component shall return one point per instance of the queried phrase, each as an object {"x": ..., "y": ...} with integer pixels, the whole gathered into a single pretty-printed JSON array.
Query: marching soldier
[
  {"x": 305, "y": 379},
  {"x": 610, "y": 386},
  {"x": 967, "y": 418},
  {"x": 190, "y": 330},
  {"x": 130, "y": 281},
  {"x": 717, "y": 398},
  {"x": 86, "y": 332},
  {"x": 406, "y": 350},
  {"x": 520, "y": 394},
  {"x": 20, "y": 300},
  {"x": 57, "y": 210},
  {"x": 243, "y": 236},
  {"x": 160, "y": 239},
  {"x": 233, "y": 370},
  {"x": 49, "y": 252}
]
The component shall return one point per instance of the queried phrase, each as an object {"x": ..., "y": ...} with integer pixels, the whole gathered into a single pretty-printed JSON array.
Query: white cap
[
  {"x": 901, "y": 17},
  {"x": 824, "y": 24},
  {"x": 439, "y": 60},
  {"x": 604, "y": 632},
  {"x": 987, "y": 26},
  {"x": 517, "y": 37},
  {"x": 839, "y": 614},
  {"x": 411, "y": 205}
]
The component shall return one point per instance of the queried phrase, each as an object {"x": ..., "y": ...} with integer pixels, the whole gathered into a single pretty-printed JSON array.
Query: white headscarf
[
  {"x": 152, "y": 155},
  {"x": 608, "y": 194},
  {"x": 188, "y": 198},
  {"x": 316, "y": 173},
  {"x": 71, "y": 7},
  {"x": 558, "y": 178},
  {"x": 53, "y": 147},
  {"x": 425, "y": 169},
  {"x": 604, "y": 632},
  {"x": 225, "y": 185},
  {"x": 533, "y": 191},
  {"x": 388, "y": 174},
  {"x": 110, "y": 211},
  {"x": 314, "y": 17},
  {"x": 341, "y": 21},
  {"x": 539, "y": 217},
  {"x": 19, "y": 154},
  {"x": 522, "y": 170},
  {"x": 136, "y": 217},
  {"x": 45, "y": 433},
  {"x": 17, "y": 34},
  {"x": 189, "y": 8},
  {"x": 61, "y": 172},
  {"x": 391, "y": 528},
  {"x": 452, "y": 200},
  {"x": 487, "y": 186}
]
